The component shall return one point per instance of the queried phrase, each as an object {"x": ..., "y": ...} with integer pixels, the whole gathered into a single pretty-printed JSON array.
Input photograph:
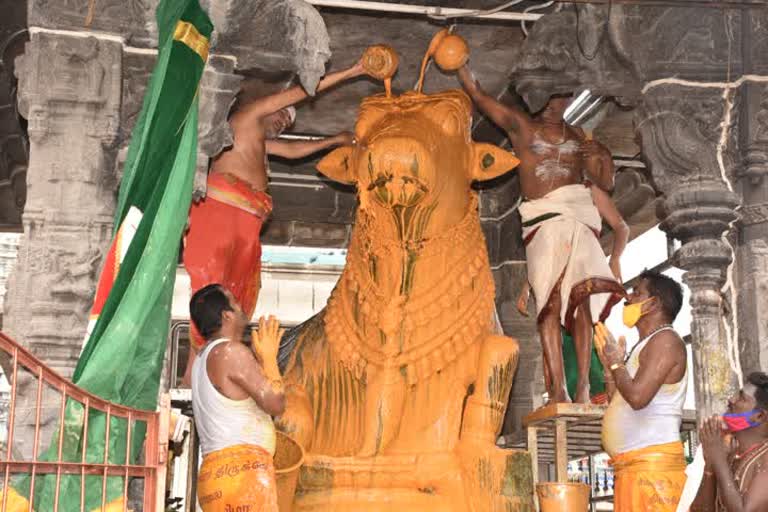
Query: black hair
[
  {"x": 667, "y": 290},
  {"x": 206, "y": 307},
  {"x": 760, "y": 381}
]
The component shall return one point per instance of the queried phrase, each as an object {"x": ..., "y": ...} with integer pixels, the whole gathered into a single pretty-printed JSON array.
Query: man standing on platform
[
  {"x": 641, "y": 427},
  {"x": 222, "y": 244},
  {"x": 736, "y": 480},
  {"x": 236, "y": 390},
  {"x": 570, "y": 278}
]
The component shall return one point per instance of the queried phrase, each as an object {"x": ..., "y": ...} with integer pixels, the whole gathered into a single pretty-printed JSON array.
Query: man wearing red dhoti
[{"x": 222, "y": 244}]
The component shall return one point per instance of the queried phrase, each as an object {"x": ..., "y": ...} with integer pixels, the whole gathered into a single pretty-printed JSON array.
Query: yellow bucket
[
  {"x": 289, "y": 456},
  {"x": 563, "y": 497}
]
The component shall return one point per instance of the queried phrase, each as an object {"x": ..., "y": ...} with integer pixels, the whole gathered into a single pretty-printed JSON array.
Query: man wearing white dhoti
[{"x": 572, "y": 282}]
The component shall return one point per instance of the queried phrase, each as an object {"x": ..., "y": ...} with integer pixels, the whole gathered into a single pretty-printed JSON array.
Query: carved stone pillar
[
  {"x": 752, "y": 255},
  {"x": 680, "y": 129},
  {"x": 70, "y": 89}
]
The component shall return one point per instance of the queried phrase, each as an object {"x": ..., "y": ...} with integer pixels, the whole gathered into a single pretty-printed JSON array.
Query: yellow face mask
[{"x": 633, "y": 312}]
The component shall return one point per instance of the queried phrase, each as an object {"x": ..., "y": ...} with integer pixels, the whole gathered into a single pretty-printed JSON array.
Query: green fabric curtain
[
  {"x": 596, "y": 378},
  {"x": 123, "y": 357}
]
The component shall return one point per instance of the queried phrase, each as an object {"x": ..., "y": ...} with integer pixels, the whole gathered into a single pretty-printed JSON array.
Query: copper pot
[
  {"x": 563, "y": 497},
  {"x": 380, "y": 61},
  {"x": 289, "y": 456}
]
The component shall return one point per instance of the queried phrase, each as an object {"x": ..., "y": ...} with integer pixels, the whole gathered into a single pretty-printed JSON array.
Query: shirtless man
[
  {"x": 222, "y": 244},
  {"x": 571, "y": 280}
]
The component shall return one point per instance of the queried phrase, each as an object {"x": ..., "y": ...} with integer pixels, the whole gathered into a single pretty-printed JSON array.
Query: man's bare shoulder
[
  {"x": 666, "y": 343},
  {"x": 229, "y": 352}
]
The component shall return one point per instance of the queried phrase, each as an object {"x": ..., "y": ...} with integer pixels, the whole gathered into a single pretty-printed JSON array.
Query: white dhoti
[{"x": 561, "y": 235}]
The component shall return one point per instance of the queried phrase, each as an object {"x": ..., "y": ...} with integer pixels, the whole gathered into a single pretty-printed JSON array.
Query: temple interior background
[{"x": 691, "y": 161}]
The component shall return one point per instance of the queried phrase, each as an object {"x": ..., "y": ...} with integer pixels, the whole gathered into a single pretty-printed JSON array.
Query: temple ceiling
[{"x": 322, "y": 211}]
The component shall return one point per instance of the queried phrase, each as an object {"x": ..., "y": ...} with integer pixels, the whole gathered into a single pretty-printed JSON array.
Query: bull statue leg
[
  {"x": 297, "y": 420},
  {"x": 484, "y": 411},
  {"x": 489, "y": 472},
  {"x": 384, "y": 402}
]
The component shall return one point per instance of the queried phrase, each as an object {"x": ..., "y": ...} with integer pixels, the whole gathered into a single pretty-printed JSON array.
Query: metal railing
[{"x": 152, "y": 469}]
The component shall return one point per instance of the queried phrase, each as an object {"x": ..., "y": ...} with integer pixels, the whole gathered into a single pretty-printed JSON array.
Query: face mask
[
  {"x": 739, "y": 421},
  {"x": 633, "y": 312}
]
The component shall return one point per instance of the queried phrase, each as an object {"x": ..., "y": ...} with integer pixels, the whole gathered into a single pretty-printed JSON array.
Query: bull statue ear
[
  {"x": 491, "y": 161},
  {"x": 337, "y": 165}
]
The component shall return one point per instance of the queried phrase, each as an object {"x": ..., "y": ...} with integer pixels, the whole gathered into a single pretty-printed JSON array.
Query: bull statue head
[{"x": 414, "y": 151}]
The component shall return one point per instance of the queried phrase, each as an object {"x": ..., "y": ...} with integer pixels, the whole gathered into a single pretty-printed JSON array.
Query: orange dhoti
[
  {"x": 650, "y": 478},
  {"x": 238, "y": 478},
  {"x": 222, "y": 244}
]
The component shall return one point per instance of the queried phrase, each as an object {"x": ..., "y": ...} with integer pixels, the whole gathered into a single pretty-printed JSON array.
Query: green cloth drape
[{"x": 123, "y": 358}]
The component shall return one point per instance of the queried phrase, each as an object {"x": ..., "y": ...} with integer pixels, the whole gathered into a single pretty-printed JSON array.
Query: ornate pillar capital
[
  {"x": 681, "y": 129},
  {"x": 70, "y": 76}
]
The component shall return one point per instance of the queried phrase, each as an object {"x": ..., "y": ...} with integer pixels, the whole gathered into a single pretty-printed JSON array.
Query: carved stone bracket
[
  {"x": 614, "y": 50},
  {"x": 272, "y": 35},
  {"x": 218, "y": 89}
]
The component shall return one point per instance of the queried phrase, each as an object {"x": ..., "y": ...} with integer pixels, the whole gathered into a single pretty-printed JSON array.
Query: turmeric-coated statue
[{"x": 398, "y": 389}]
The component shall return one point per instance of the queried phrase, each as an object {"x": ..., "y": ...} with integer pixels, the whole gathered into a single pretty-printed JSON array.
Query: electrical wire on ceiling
[
  {"x": 479, "y": 12},
  {"x": 530, "y": 9}
]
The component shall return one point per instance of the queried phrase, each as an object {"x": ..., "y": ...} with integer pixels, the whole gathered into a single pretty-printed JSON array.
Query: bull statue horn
[
  {"x": 336, "y": 165},
  {"x": 490, "y": 162}
]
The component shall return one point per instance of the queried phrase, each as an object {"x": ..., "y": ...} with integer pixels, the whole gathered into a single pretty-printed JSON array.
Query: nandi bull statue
[{"x": 397, "y": 389}]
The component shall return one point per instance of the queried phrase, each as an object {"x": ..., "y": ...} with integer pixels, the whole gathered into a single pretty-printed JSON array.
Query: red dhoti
[{"x": 222, "y": 244}]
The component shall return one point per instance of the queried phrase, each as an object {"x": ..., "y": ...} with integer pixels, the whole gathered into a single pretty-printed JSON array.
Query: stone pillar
[
  {"x": 69, "y": 91},
  {"x": 680, "y": 128},
  {"x": 752, "y": 255}
]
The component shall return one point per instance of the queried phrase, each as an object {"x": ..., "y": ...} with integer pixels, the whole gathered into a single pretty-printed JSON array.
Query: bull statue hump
[{"x": 397, "y": 389}]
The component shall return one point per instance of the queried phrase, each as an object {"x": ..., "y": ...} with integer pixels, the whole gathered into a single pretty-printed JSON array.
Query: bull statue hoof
[{"x": 397, "y": 389}]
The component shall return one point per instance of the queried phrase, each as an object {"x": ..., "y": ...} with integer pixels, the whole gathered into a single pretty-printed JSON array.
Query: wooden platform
[{"x": 562, "y": 432}]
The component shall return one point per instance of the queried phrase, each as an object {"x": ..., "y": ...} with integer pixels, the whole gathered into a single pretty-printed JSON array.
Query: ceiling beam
[
  {"x": 423, "y": 10},
  {"x": 717, "y": 4}
]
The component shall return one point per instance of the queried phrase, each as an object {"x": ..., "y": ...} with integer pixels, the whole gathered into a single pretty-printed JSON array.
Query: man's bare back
[{"x": 552, "y": 153}]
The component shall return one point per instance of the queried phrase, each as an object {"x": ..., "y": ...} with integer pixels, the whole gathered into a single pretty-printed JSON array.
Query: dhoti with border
[
  {"x": 560, "y": 231},
  {"x": 222, "y": 244}
]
